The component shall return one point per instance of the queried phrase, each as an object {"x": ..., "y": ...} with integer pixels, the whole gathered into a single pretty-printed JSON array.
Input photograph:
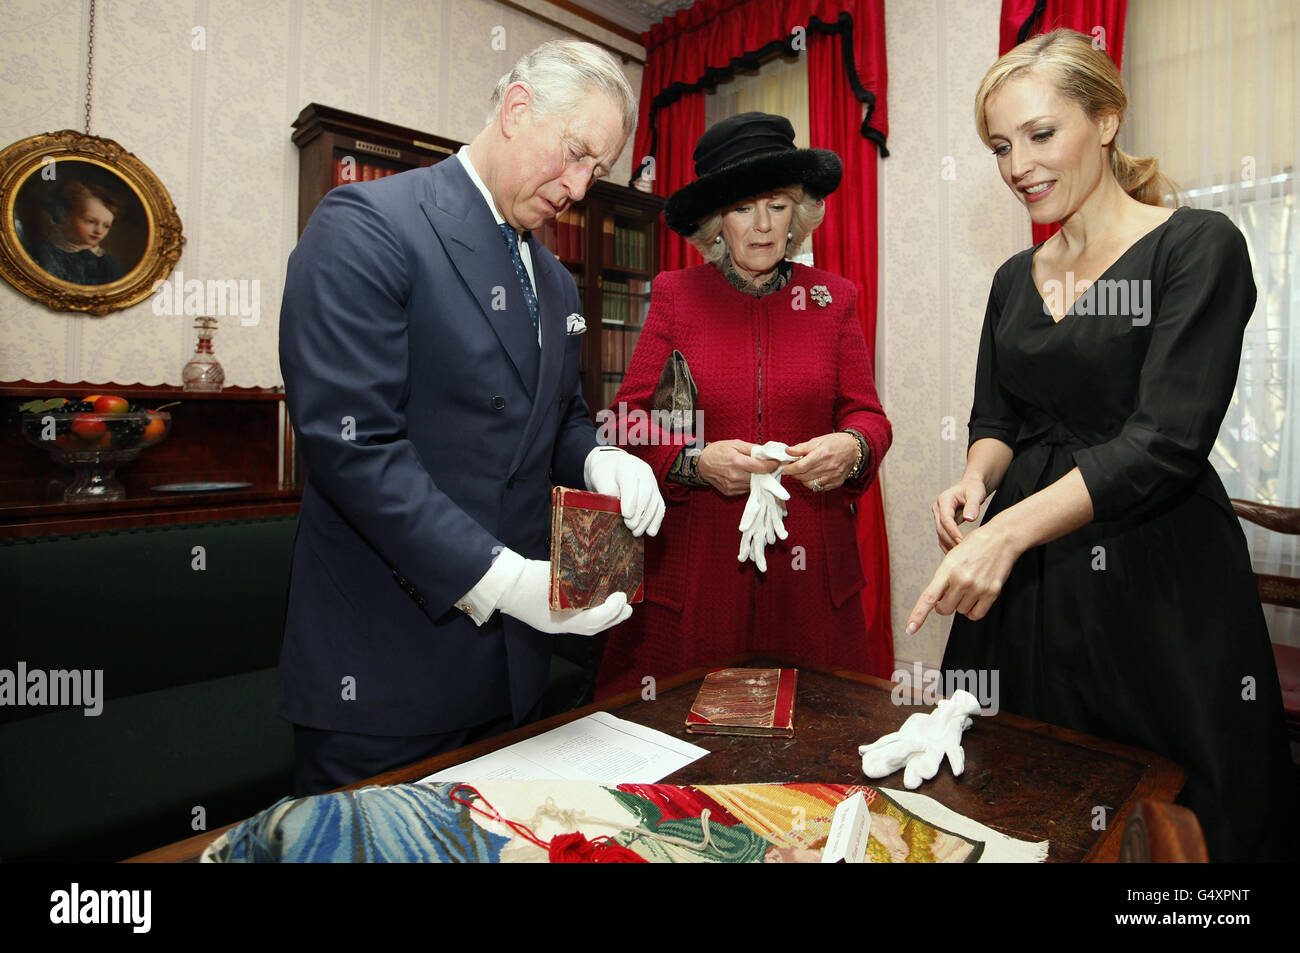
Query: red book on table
[{"x": 745, "y": 701}]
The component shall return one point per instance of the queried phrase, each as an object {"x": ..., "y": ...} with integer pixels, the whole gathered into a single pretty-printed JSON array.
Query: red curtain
[
  {"x": 1103, "y": 20},
  {"x": 846, "y": 244},
  {"x": 847, "y": 79},
  {"x": 683, "y": 121}
]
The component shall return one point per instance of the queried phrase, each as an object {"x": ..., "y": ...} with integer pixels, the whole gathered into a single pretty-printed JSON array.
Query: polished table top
[{"x": 1024, "y": 778}]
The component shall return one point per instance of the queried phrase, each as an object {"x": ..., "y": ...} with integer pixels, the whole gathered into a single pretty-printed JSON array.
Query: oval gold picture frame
[{"x": 84, "y": 224}]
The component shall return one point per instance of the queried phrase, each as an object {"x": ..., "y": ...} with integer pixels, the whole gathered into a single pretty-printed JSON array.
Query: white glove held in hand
[
  {"x": 529, "y": 601},
  {"x": 920, "y": 745},
  {"x": 762, "y": 521},
  {"x": 616, "y": 472}
]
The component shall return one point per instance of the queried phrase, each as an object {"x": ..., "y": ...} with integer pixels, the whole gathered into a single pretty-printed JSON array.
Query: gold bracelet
[{"x": 857, "y": 464}]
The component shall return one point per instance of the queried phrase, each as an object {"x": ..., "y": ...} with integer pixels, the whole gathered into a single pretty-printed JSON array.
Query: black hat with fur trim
[{"x": 743, "y": 156}]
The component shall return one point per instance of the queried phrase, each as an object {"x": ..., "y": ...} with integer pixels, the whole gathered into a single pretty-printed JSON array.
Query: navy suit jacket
[{"x": 432, "y": 429}]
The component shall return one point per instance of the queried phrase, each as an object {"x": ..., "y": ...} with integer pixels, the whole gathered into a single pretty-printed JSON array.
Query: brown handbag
[{"x": 676, "y": 393}]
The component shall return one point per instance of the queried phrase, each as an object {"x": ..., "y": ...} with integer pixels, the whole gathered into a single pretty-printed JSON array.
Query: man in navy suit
[{"x": 430, "y": 348}]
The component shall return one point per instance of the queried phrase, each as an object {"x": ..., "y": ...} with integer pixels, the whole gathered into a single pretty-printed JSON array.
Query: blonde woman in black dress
[{"x": 1109, "y": 583}]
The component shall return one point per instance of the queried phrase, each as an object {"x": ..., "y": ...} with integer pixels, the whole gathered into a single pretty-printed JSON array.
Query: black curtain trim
[
  {"x": 1040, "y": 7},
  {"x": 752, "y": 60}
]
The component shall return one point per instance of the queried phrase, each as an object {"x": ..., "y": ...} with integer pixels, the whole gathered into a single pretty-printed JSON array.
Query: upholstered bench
[{"x": 187, "y": 640}]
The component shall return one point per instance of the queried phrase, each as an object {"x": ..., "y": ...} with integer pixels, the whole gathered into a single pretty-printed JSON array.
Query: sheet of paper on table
[{"x": 598, "y": 748}]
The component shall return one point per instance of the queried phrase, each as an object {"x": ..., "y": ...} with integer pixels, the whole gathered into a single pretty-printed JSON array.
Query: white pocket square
[{"x": 576, "y": 325}]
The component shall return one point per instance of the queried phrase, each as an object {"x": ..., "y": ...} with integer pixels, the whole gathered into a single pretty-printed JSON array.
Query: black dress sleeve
[
  {"x": 993, "y": 412},
  {"x": 1203, "y": 303}
]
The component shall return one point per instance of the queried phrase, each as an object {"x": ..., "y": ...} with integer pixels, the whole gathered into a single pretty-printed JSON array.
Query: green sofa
[{"x": 186, "y": 739}]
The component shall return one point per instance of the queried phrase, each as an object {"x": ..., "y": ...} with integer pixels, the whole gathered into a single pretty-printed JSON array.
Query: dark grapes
[{"x": 129, "y": 429}]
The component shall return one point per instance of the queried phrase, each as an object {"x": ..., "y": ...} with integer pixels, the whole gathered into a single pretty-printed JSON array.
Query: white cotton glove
[
  {"x": 529, "y": 601},
  {"x": 616, "y": 472},
  {"x": 761, "y": 524},
  {"x": 920, "y": 745},
  {"x": 763, "y": 520}
]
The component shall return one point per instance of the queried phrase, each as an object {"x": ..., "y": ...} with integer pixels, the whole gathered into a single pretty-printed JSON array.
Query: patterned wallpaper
[
  {"x": 946, "y": 223},
  {"x": 204, "y": 91}
]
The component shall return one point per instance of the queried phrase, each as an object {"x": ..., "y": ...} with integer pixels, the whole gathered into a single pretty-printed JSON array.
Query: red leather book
[
  {"x": 593, "y": 553},
  {"x": 745, "y": 701}
]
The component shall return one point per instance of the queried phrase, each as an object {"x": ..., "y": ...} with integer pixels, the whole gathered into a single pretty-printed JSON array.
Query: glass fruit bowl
[{"x": 93, "y": 445}]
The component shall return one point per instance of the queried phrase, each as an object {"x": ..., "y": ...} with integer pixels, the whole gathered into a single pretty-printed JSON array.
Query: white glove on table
[
  {"x": 616, "y": 472},
  {"x": 920, "y": 745},
  {"x": 762, "y": 521},
  {"x": 529, "y": 601}
]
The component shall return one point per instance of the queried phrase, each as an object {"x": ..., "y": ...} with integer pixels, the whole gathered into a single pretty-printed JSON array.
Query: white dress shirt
[{"x": 524, "y": 253}]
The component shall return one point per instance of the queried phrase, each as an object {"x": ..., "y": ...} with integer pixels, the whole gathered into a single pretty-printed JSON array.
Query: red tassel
[
  {"x": 576, "y": 849},
  {"x": 564, "y": 848}
]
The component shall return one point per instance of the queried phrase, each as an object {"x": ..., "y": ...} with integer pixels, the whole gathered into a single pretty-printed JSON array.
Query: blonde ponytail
[{"x": 1142, "y": 178}]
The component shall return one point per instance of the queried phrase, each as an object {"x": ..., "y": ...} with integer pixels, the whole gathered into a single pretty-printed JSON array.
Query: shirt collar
[{"x": 463, "y": 156}]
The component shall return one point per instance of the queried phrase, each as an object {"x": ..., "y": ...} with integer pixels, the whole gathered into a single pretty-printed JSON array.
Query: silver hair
[
  {"x": 561, "y": 73},
  {"x": 808, "y": 214}
]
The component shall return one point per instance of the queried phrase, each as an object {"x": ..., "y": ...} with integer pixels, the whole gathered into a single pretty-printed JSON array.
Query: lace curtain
[{"x": 1213, "y": 94}]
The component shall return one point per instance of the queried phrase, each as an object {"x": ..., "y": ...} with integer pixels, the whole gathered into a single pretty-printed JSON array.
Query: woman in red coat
[{"x": 777, "y": 354}]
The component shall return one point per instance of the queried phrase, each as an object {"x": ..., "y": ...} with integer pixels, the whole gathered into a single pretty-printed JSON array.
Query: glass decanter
[{"x": 203, "y": 372}]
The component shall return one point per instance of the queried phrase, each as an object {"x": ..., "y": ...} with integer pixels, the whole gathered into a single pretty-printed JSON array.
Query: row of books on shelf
[
  {"x": 347, "y": 169},
  {"x": 563, "y": 235},
  {"x": 626, "y": 247},
  {"x": 566, "y": 236},
  {"x": 625, "y": 302},
  {"x": 617, "y": 342}
]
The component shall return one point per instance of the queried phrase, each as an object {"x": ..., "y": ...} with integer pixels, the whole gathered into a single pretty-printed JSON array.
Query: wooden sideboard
[{"x": 238, "y": 434}]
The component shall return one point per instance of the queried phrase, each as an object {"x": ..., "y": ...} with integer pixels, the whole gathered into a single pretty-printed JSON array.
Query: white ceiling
[{"x": 638, "y": 15}]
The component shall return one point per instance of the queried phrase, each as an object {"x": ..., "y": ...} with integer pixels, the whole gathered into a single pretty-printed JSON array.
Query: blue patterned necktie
[{"x": 512, "y": 242}]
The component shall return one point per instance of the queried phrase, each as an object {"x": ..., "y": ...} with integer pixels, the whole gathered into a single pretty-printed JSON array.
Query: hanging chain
[{"x": 90, "y": 62}]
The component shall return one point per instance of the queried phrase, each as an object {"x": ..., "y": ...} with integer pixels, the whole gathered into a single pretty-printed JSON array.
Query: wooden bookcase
[{"x": 335, "y": 147}]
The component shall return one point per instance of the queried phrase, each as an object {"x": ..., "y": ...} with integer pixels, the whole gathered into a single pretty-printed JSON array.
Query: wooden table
[{"x": 1024, "y": 778}]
